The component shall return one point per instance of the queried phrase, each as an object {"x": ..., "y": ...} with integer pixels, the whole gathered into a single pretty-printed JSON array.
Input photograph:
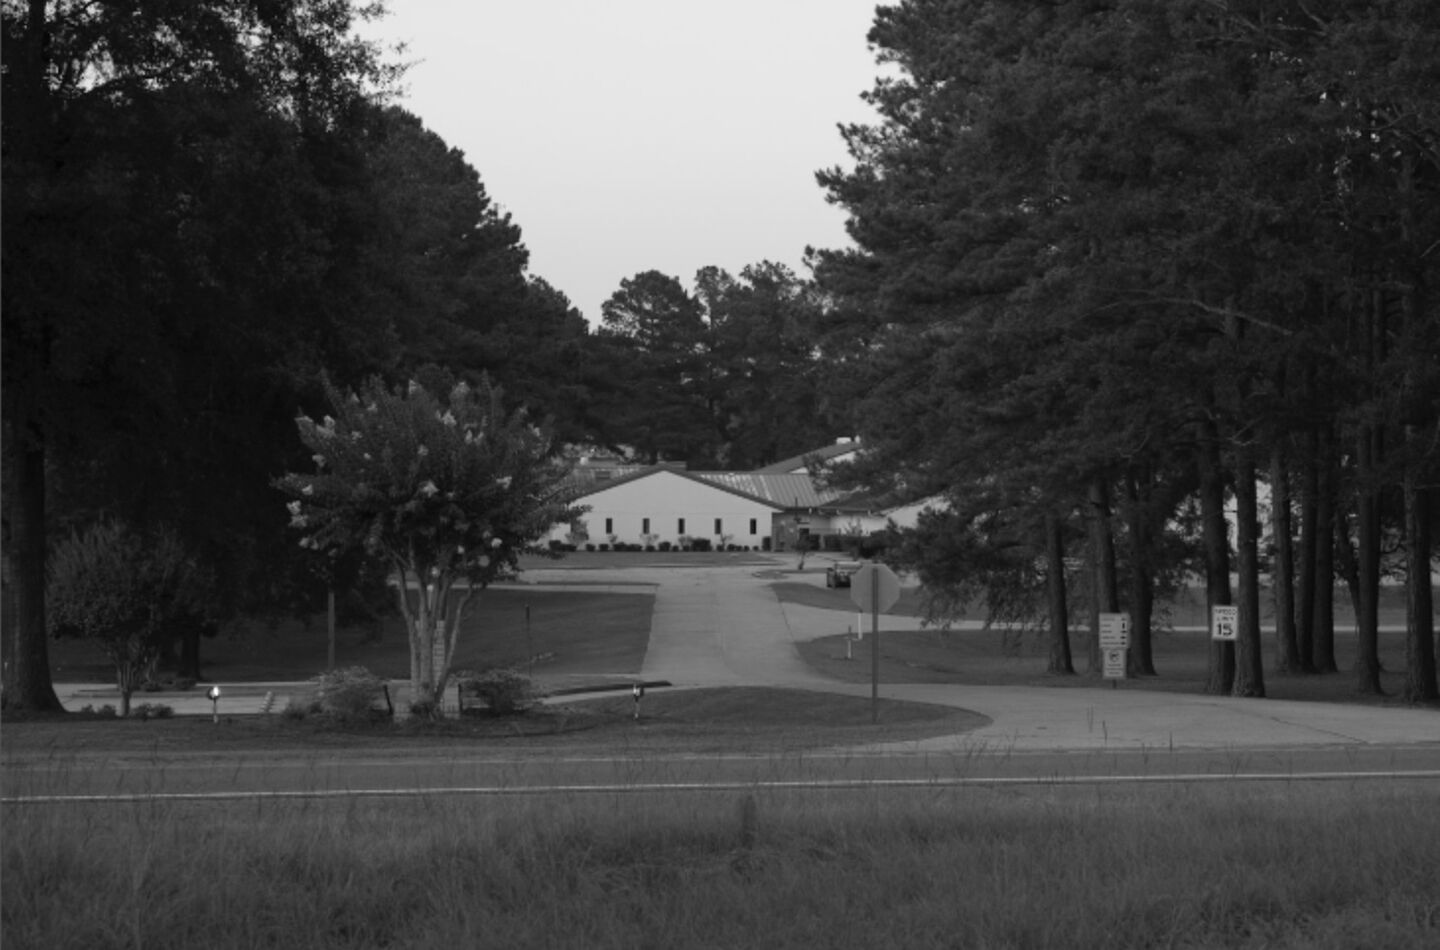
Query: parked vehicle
[{"x": 838, "y": 574}]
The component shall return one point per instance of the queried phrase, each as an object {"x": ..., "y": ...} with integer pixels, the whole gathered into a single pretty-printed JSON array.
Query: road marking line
[{"x": 725, "y": 786}]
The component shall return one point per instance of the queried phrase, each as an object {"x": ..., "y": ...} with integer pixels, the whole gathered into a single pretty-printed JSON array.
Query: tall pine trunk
[
  {"x": 1420, "y": 674},
  {"x": 1325, "y": 531},
  {"x": 1141, "y": 659},
  {"x": 26, "y": 674},
  {"x": 1369, "y": 451},
  {"x": 27, "y": 680},
  {"x": 1249, "y": 667},
  {"x": 1216, "y": 539},
  {"x": 1060, "y": 658},
  {"x": 1102, "y": 565},
  {"x": 1305, "y": 574},
  {"x": 1282, "y": 568},
  {"x": 1367, "y": 565}
]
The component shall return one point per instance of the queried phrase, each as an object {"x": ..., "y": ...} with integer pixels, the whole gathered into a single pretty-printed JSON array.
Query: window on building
[
  {"x": 609, "y": 525},
  {"x": 644, "y": 525},
  {"x": 681, "y": 528},
  {"x": 754, "y": 525},
  {"x": 718, "y": 529}
]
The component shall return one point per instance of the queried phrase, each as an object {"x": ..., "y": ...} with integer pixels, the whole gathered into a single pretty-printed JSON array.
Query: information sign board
[
  {"x": 1114, "y": 631},
  {"x": 1114, "y": 663}
]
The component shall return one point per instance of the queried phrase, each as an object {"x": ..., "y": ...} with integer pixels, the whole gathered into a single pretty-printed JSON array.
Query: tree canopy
[
  {"x": 1104, "y": 248},
  {"x": 447, "y": 492}
]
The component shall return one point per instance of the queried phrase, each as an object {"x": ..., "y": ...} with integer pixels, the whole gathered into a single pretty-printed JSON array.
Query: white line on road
[{"x": 656, "y": 787}]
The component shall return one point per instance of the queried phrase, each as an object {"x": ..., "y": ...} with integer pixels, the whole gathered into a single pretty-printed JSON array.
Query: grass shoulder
[{"x": 721, "y": 720}]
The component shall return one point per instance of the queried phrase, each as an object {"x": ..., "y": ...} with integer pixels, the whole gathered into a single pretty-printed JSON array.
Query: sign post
[
  {"x": 1115, "y": 645},
  {"x": 874, "y": 588}
]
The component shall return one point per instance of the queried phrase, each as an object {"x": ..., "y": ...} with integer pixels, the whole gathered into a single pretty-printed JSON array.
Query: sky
[{"x": 633, "y": 135}]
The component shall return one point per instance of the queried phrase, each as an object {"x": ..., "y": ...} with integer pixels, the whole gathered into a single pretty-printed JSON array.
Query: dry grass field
[{"x": 1293, "y": 867}]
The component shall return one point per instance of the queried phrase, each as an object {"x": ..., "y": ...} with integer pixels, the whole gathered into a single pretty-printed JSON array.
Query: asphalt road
[{"x": 96, "y": 775}]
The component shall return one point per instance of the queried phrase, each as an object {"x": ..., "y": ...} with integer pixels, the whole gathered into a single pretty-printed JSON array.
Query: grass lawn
[
  {"x": 911, "y": 653},
  {"x": 569, "y": 632},
  {"x": 696, "y": 721}
]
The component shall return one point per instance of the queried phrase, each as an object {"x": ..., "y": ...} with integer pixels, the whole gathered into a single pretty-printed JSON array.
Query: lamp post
[
  {"x": 637, "y": 691},
  {"x": 214, "y": 695}
]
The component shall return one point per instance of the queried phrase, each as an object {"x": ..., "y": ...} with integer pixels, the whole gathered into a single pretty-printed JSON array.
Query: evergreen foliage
[{"x": 1106, "y": 248}]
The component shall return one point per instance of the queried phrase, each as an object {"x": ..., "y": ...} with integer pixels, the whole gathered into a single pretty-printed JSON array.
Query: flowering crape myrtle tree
[{"x": 446, "y": 492}]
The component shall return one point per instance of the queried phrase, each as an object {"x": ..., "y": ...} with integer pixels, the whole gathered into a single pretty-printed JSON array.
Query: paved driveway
[{"x": 717, "y": 626}]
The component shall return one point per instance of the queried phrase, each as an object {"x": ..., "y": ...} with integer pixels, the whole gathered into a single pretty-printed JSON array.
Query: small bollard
[
  {"x": 214, "y": 695},
  {"x": 638, "y": 691}
]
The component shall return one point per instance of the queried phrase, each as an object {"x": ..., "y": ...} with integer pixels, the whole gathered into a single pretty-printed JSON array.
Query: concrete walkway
[{"x": 724, "y": 626}]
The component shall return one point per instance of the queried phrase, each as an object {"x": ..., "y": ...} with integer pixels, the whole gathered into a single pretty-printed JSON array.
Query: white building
[
  {"x": 768, "y": 509},
  {"x": 662, "y": 504}
]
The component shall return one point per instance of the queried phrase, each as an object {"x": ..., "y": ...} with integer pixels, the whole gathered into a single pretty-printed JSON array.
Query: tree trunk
[
  {"x": 1102, "y": 566},
  {"x": 1141, "y": 659},
  {"x": 1060, "y": 658},
  {"x": 1305, "y": 575},
  {"x": 27, "y": 682},
  {"x": 1345, "y": 561},
  {"x": 190, "y": 654},
  {"x": 1249, "y": 667},
  {"x": 27, "y": 677},
  {"x": 1367, "y": 579},
  {"x": 1420, "y": 675},
  {"x": 1216, "y": 537},
  {"x": 1282, "y": 568},
  {"x": 1324, "y": 596}
]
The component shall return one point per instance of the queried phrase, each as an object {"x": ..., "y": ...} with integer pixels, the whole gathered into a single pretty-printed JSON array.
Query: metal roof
[
  {"x": 781, "y": 490},
  {"x": 796, "y": 463}
]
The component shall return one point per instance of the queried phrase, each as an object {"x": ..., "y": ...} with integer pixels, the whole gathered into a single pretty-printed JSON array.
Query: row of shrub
[
  {"x": 856, "y": 545},
  {"x": 694, "y": 544},
  {"x": 354, "y": 695},
  {"x": 141, "y": 711}
]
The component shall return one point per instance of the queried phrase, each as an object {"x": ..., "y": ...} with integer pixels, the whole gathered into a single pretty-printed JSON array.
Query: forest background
[{"x": 1115, "y": 264}]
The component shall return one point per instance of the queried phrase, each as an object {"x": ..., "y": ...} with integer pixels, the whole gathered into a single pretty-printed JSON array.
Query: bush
[
  {"x": 152, "y": 711},
  {"x": 350, "y": 694},
  {"x": 665, "y": 546},
  {"x": 503, "y": 691},
  {"x": 590, "y": 547},
  {"x": 700, "y": 544},
  {"x": 426, "y": 709}
]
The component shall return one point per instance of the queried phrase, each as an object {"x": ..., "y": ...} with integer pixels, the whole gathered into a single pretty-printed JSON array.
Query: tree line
[
  {"x": 213, "y": 206},
  {"x": 1119, "y": 262}
]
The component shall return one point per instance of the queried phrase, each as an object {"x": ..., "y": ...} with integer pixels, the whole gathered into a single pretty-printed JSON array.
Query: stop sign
[{"x": 874, "y": 587}]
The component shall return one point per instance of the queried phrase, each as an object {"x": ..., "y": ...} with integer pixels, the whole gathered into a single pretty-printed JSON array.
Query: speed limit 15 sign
[{"x": 1224, "y": 623}]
